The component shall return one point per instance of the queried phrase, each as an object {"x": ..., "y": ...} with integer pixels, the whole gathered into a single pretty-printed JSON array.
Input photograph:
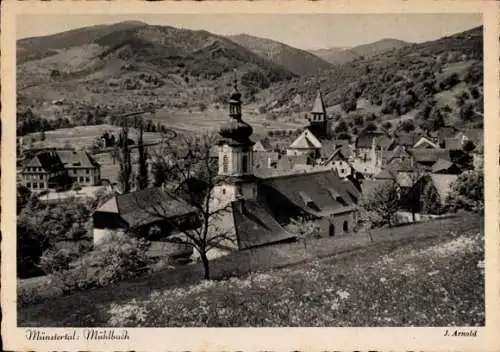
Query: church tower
[
  {"x": 318, "y": 123},
  {"x": 236, "y": 178}
]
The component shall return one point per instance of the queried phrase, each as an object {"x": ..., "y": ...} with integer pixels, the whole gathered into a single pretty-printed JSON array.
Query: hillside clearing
[{"x": 342, "y": 256}]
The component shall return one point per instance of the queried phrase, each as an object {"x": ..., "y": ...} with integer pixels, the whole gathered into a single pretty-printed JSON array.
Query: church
[
  {"x": 312, "y": 140},
  {"x": 258, "y": 208}
]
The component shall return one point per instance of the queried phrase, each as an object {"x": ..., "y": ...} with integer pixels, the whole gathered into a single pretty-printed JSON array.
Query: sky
[{"x": 304, "y": 31}]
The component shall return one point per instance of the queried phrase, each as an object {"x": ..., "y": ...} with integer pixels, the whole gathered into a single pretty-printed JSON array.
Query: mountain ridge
[{"x": 298, "y": 61}]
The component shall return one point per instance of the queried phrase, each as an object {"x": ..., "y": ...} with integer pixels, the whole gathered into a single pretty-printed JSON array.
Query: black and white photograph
[{"x": 249, "y": 170}]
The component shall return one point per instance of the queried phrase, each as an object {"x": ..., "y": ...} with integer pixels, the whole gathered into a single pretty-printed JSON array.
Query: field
[
  {"x": 82, "y": 137},
  {"x": 341, "y": 281}
]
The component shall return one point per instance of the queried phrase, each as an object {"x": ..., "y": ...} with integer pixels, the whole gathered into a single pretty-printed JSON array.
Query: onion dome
[{"x": 236, "y": 130}]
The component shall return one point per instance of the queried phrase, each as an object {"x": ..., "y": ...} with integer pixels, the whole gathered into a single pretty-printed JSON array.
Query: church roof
[
  {"x": 318, "y": 193},
  {"x": 319, "y": 104},
  {"x": 255, "y": 225},
  {"x": 306, "y": 140}
]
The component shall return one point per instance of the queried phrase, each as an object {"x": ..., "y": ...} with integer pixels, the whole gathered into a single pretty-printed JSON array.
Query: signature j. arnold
[{"x": 461, "y": 332}]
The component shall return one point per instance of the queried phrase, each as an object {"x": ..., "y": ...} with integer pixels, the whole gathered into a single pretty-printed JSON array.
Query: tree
[
  {"x": 341, "y": 127},
  {"x": 123, "y": 156},
  {"x": 304, "y": 228},
  {"x": 382, "y": 203},
  {"x": 192, "y": 176},
  {"x": 467, "y": 192},
  {"x": 142, "y": 174},
  {"x": 407, "y": 126},
  {"x": 430, "y": 202},
  {"x": 467, "y": 112}
]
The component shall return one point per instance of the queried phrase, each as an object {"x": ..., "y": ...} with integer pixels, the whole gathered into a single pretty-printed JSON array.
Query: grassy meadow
[{"x": 385, "y": 280}]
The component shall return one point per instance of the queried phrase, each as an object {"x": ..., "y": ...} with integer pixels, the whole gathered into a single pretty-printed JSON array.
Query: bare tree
[
  {"x": 191, "y": 176},
  {"x": 304, "y": 228}
]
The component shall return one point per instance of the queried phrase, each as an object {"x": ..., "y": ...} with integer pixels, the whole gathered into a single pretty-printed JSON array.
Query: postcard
[{"x": 248, "y": 176}]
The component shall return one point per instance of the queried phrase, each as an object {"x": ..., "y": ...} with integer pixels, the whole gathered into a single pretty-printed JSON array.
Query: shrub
[
  {"x": 467, "y": 112},
  {"x": 118, "y": 258},
  {"x": 467, "y": 192}
]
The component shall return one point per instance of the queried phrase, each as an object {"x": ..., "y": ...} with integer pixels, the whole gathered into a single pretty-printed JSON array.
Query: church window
[
  {"x": 225, "y": 164},
  {"x": 346, "y": 226},
  {"x": 244, "y": 162},
  {"x": 223, "y": 191},
  {"x": 331, "y": 230}
]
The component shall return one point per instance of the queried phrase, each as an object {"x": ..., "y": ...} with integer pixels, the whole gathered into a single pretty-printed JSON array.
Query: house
[
  {"x": 263, "y": 160},
  {"x": 43, "y": 171},
  {"x": 453, "y": 143},
  {"x": 425, "y": 142},
  {"x": 150, "y": 212},
  {"x": 60, "y": 169},
  {"x": 427, "y": 157},
  {"x": 408, "y": 139},
  {"x": 399, "y": 160},
  {"x": 429, "y": 193},
  {"x": 81, "y": 166},
  {"x": 339, "y": 161},
  {"x": 442, "y": 166},
  {"x": 263, "y": 146}
]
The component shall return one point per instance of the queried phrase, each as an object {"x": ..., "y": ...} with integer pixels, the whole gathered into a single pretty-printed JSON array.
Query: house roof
[
  {"x": 255, "y": 225},
  {"x": 476, "y": 135},
  {"x": 327, "y": 147},
  {"x": 385, "y": 142},
  {"x": 146, "y": 206},
  {"x": 443, "y": 183},
  {"x": 319, "y": 104},
  {"x": 408, "y": 139},
  {"x": 453, "y": 143},
  {"x": 425, "y": 141},
  {"x": 261, "y": 159},
  {"x": 306, "y": 140},
  {"x": 396, "y": 165},
  {"x": 429, "y": 155},
  {"x": 384, "y": 175},
  {"x": 365, "y": 140},
  {"x": 398, "y": 152},
  {"x": 48, "y": 160},
  {"x": 441, "y": 165},
  {"x": 265, "y": 143},
  {"x": 339, "y": 153},
  {"x": 446, "y": 132},
  {"x": 318, "y": 193},
  {"x": 77, "y": 159}
]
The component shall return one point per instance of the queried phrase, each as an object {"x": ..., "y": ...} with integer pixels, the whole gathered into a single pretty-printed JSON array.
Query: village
[
  {"x": 316, "y": 177},
  {"x": 203, "y": 191}
]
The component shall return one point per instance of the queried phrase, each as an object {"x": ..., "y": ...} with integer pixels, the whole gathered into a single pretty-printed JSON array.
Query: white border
[{"x": 271, "y": 339}]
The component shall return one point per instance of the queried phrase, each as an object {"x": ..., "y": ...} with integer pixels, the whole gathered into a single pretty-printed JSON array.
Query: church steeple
[
  {"x": 319, "y": 122},
  {"x": 235, "y": 102},
  {"x": 235, "y": 157}
]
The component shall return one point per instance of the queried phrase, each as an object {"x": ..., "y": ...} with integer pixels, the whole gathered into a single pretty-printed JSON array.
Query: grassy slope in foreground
[{"x": 423, "y": 275}]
